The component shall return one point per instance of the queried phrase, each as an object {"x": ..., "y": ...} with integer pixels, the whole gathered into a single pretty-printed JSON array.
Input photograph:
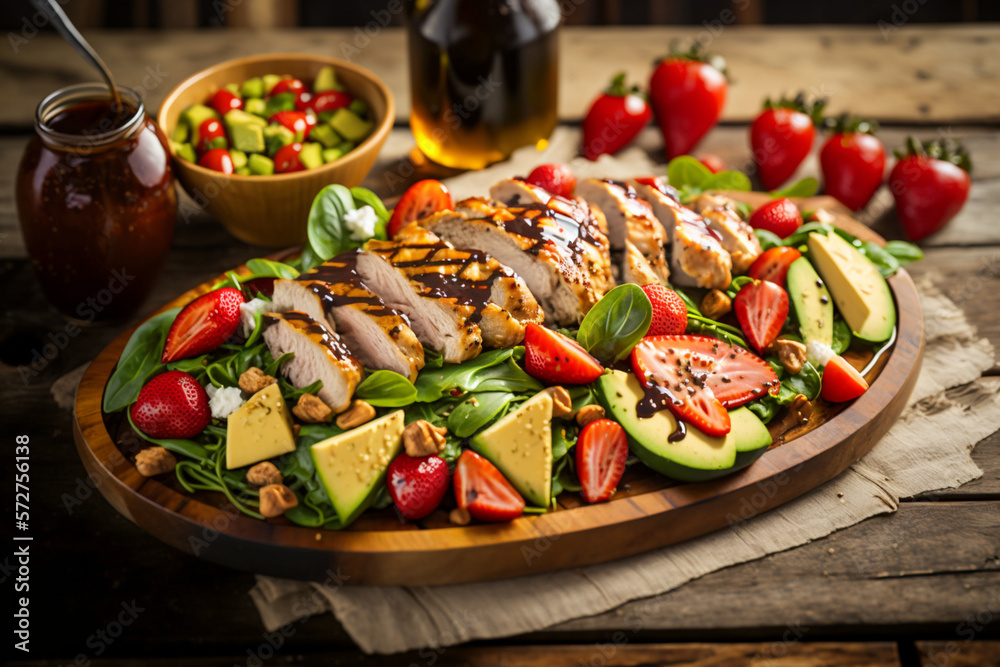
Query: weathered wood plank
[
  {"x": 915, "y": 74},
  {"x": 962, "y": 652}
]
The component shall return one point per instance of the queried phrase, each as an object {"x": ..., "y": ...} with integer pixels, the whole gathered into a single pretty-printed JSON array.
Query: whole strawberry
[
  {"x": 203, "y": 325},
  {"x": 780, "y": 216},
  {"x": 669, "y": 311},
  {"x": 930, "y": 184},
  {"x": 172, "y": 405},
  {"x": 853, "y": 162},
  {"x": 687, "y": 91},
  {"x": 417, "y": 485},
  {"x": 614, "y": 119},
  {"x": 782, "y": 136},
  {"x": 555, "y": 178}
]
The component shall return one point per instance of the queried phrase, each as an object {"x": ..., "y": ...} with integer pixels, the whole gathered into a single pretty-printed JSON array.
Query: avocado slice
[
  {"x": 331, "y": 154},
  {"x": 326, "y": 80},
  {"x": 325, "y": 135},
  {"x": 311, "y": 155},
  {"x": 520, "y": 446},
  {"x": 246, "y": 131},
  {"x": 234, "y": 88},
  {"x": 859, "y": 290},
  {"x": 256, "y": 106},
  {"x": 694, "y": 458},
  {"x": 277, "y": 137},
  {"x": 352, "y": 465},
  {"x": 260, "y": 165},
  {"x": 194, "y": 116},
  {"x": 269, "y": 81},
  {"x": 811, "y": 302},
  {"x": 252, "y": 88},
  {"x": 358, "y": 107},
  {"x": 184, "y": 151},
  {"x": 239, "y": 158},
  {"x": 349, "y": 125},
  {"x": 181, "y": 133}
]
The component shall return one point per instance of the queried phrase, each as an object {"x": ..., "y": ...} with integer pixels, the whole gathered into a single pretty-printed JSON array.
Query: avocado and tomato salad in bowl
[
  {"x": 272, "y": 124},
  {"x": 372, "y": 371}
]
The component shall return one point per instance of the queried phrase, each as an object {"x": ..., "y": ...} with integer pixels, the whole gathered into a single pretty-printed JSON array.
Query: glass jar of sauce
[
  {"x": 484, "y": 77},
  {"x": 96, "y": 201}
]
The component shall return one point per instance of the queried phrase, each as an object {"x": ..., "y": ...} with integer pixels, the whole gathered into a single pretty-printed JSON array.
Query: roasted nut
[
  {"x": 254, "y": 379},
  {"x": 459, "y": 517},
  {"x": 312, "y": 410},
  {"x": 822, "y": 215},
  {"x": 798, "y": 412},
  {"x": 716, "y": 304},
  {"x": 356, "y": 414},
  {"x": 276, "y": 499},
  {"x": 422, "y": 438},
  {"x": 791, "y": 354},
  {"x": 562, "y": 404},
  {"x": 589, "y": 413},
  {"x": 154, "y": 461},
  {"x": 264, "y": 473},
  {"x": 295, "y": 430}
]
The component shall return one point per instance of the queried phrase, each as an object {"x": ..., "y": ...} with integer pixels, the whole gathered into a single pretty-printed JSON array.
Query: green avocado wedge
[{"x": 811, "y": 302}]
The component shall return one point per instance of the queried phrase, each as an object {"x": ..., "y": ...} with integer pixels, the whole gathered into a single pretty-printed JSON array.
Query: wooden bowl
[{"x": 272, "y": 210}]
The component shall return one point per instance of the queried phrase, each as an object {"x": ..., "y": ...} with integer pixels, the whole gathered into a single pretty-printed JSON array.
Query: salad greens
[
  {"x": 616, "y": 323},
  {"x": 140, "y": 360},
  {"x": 327, "y": 230},
  {"x": 692, "y": 178},
  {"x": 888, "y": 259}
]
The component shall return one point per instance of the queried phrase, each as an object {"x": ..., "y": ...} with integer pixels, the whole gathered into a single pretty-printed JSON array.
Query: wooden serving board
[{"x": 648, "y": 512}]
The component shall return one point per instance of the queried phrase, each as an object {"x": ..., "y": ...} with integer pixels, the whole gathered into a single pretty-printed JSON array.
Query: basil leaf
[
  {"x": 807, "y": 187},
  {"x": 728, "y": 180},
  {"x": 140, "y": 360},
  {"x": 877, "y": 255},
  {"x": 768, "y": 239},
  {"x": 386, "y": 389},
  {"x": 433, "y": 385},
  {"x": 478, "y": 410},
  {"x": 262, "y": 267},
  {"x": 799, "y": 236},
  {"x": 841, "y": 336},
  {"x": 616, "y": 323},
  {"x": 326, "y": 230},
  {"x": 904, "y": 252},
  {"x": 686, "y": 171}
]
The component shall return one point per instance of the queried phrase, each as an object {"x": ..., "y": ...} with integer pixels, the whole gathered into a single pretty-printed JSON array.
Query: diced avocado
[
  {"x": 325, "y": 135},
  {"x": 185, "y": 151},
  {"x": 325, "y": 116},
  {"x": 520, "y": 446},
  {"x": 277, "y": 137},
  {"x": 261, "y": 165},
  {"x": 279, "y": 102},
  {"x": 181, "y": 133},
  {"x": 331, "y": 154},
  {"x": 259, "y": 430},
  {"x": 234, "y": 88},
  {"x": 194, "y": 116},
  {"x": 859, "y": 290},
  {"x": 246, "y": 131},
  {"x": 326, "y": 80},
  {"x": 256, "y": 106},
  {"x": 311, "y": 155},
  {"x": 241, "y": 117},
  {"x": 244, "y": 171},
  {"x": 348, "y": 125},
  {"x": 695, "y": 457},
  {"x": 239, "y": 158},
  {"x": 358, "y": 107},
  {"x": 269, "y": 81},
  {"x": 811, "y": 302},
  {"x": 252, "y": 88},
  {"x": 346, "y": 146},
  {"x": 352, "y": 465}
]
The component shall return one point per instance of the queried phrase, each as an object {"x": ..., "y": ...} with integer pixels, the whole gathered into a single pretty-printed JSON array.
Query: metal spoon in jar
[{"x": 69, "y": 32}]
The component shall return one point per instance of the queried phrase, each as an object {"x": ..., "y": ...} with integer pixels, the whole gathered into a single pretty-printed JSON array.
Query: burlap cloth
[{"x": 952, "y": 408}]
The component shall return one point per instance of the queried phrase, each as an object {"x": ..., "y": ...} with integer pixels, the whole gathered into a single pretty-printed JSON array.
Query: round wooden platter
[{"x": 380, "y": 549}]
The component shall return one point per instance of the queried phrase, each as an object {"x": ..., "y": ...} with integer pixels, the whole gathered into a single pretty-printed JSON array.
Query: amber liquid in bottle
[{"x": 483, "y": 77}]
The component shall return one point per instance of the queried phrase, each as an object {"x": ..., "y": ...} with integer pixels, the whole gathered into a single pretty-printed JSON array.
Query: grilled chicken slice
[
  {"x": 697, "y": 258},
  {"x": 561, "y": 261},
  {"x": 736, "y": 235},
  {"x": 333, "y": 293},
  {"x": 635, "y": 268},
  {"x": 629, "y": 218},
  {"x": 319, "y": 355}
]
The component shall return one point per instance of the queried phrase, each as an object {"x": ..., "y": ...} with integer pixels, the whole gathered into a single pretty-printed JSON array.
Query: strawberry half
[
  {"x": 172, "y": 405},
  {"x": 483, "y": 490},
  {"x": 669, "y": 311},
  {"x": 698, "y": 378},
  {"x": 761, "y": 308},
  {"x": 555, "y": 359},
  {"x": 203, "y": 325},
  {"x": 601, "y": 452},
  {"x": 417, "y": 485}
]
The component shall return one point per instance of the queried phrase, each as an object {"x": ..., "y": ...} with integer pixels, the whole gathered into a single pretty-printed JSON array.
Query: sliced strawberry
[
  {"x": 172, "y": 405},
  {"x": 761, "y": 308},
  {"x": 555, "y": 359},
  {"x": 772, "y": 265},
  {"x": 669, "y": 311},
  {"x": 841, "y": 381},
  {"x": 483, "y": 490},
  {"x": 417, "y": 485},
  {"x": 741, "y": 377},
  {"x": 601, "y": 452},
  {"x": 203, "y": 325}
]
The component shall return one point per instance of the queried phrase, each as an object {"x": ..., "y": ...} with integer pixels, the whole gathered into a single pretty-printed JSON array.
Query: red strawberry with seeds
[
  {"x": 614, "y": 119},
  {"x": 417, "y": 485},
  {"x": 761, "y": 308},
  {"x": 782, "y": 136},
  {"x": 555, "y": 178},
  {"x": 669, "y": 311},
  {"x": 780, "y": 216},
  {"x": 687, "y": 91},
  {"x": 853, "y": 162},
  {"x": 601, "y": 452},
  {"x": 483, "y": 490},
  {"x": 172, "y": 405},
  {"x": 203, "y": 325},
  {"x": 555, "y": 359},
  {"x": 930, "y": 184}
]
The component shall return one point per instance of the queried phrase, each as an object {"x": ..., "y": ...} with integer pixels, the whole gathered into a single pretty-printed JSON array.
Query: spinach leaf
[
  {"x": 766, "y": 408},
  {"x": 687, "y": 171},
  {"x": 507, "y": 376},
  {"x": 768, "y": 239},
  {"x": 181, "y": 446},
  {"x": 616, "y": 323},
  {"x": 386, "y": 389},
  {"x": 877, "y": 255},
  {"x": 478, "y": 410},
  {"x": 261, "y": 267},
  {"x": 799, "y": 236},
  {"x": 806, "y": 382},
  {"x": 841, "y": 336},
  {"x": 728, "y": 180},
  {"x": 905, "y": 253},
  {"x": 433, "y": 385},
  {"x": 807, "y": 187},
  {"x": 327, "y": 233},
  {"x": 140, "y": 360}
]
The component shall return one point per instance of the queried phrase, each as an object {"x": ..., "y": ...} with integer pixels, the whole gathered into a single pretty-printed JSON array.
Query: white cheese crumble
[
  {"x": 223, "y": 401},
  {"x": 819, "y": 354},
  {"x": 361, "y": 222},
  {"x": 247, "y": 312}
]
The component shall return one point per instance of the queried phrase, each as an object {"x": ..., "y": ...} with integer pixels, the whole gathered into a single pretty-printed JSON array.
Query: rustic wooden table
[{"x": 856, "y": 597}]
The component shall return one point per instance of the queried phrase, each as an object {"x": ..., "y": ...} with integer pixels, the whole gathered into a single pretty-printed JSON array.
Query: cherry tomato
[
  {"x": 329, "y": 100},
  {"x": 217, "y": 159},
  {"x": 841, "y": 381},
  {"x": 296, "y": 121},
  {"x": 772, "y": 265},
  {"x": 297, "y": 88},
  {"x": 224, "y": 101},
  {"x": 286, "y": 160},
  {"x": 420, "y": 200},
  {"x": 210, "y": 130}
]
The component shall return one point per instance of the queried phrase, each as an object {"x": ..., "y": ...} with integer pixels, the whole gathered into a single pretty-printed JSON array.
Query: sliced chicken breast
[
  {"x": 319, "y": 355},
  {"x": 333, "y": 293},
  {"x": 735, "y": 234},
  {"x": 697, "y": 258},
  {"x": 635, "y": 268},
  {"x": 629, "y": 218}
]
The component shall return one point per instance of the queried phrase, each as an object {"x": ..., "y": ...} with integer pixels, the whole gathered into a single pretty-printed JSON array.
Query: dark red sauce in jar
[{"x": 96, "y": 201}]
